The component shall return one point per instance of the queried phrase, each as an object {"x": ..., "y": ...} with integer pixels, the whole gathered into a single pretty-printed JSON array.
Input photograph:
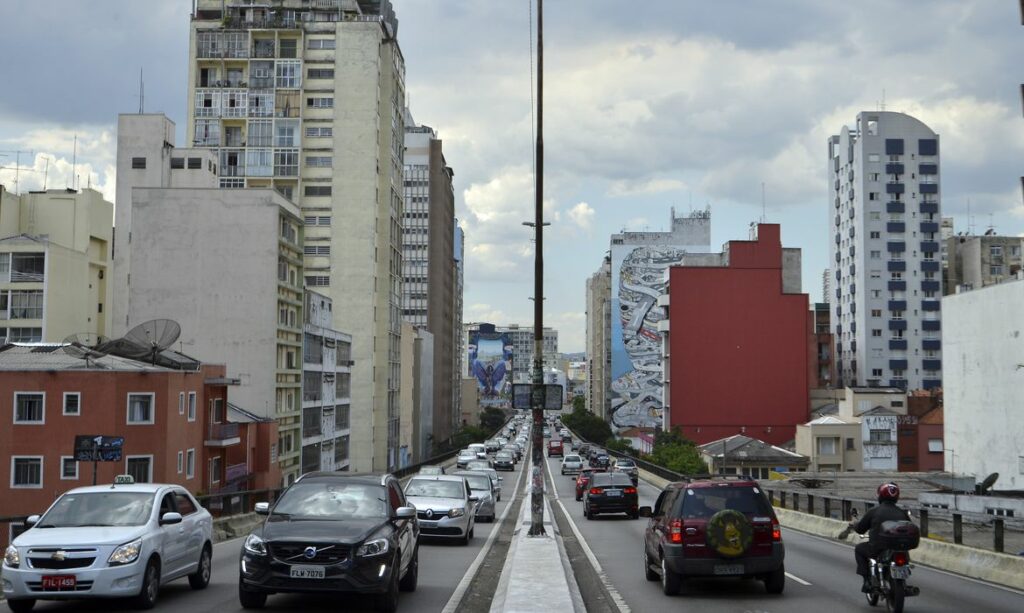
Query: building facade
[
  {"x": 823, "y": 370},
  {"x": 599, "y": 340},
  {"x": 886, "y": 256},
  {"x": 307, "y": 97},
  {"x": 457, "y": 331},
  {"x": 326, "y": 388},
  {"x": 980, "y": 261},
  {"x": 55, "y": 263}
]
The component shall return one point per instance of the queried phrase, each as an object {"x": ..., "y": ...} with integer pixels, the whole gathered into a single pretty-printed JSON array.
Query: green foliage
[
  {"x": 676, "y": 454},
  {"x": 491, "y": 419},
  {"x": 620, "y": 445},
  {"x": 587, "y": 425},
  {"x": 579, "y": 403}
]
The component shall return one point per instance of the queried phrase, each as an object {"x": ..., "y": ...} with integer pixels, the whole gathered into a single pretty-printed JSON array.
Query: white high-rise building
[
  {"x": 886, "y": 264},
  {"x": 307, "y": 97}
]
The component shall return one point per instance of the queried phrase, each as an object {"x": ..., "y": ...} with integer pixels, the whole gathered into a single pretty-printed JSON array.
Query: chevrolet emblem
[{"x": 58, "y": 555}]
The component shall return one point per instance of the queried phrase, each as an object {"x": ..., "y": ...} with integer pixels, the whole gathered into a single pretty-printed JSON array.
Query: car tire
[
  {"x": 412, "y": 574},
  {"x": 250, "y": 599},
  {"x": 775, "y": 581},
  {"x": 634, "y": 514},
  {"x": 150, "y": 586},
  {"x": 579, "y": 498},
  {"x": 671, "y": 581},
  {"x": 201, "y": 578},
  {"x": 497, "y": 498},
  {"x": 649, "y": 574},
  {"x": 21, "y": 605},
  {"x": 388, "y": 601}
]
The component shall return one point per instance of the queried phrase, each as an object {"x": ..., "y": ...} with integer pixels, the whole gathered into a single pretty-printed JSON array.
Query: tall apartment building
[
  {"x": 980, "y": 261},
  {"x": 55, "y": 259},
  {"x": 307, "y": 97},
  {"x": 886, "y": 255},
  {"x": 428, "y": 261},
  {"x": 599, "y": 341},
  {"x": 326, "y": 388},
  {"x": 460, "y": 355}
]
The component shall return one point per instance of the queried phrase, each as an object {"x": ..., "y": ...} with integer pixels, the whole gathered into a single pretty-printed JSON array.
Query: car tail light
[
  {"x": 596, "y": 490},
  {"x": 675, "y": 531},
  {"x": 776, "y": 533},
  {"x": 630, "y": 490},
  {"x": 901, "y": 558}
]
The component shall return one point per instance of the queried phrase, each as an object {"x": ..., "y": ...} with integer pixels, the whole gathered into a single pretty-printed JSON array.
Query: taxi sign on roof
[{"x": 124, "y": 480}]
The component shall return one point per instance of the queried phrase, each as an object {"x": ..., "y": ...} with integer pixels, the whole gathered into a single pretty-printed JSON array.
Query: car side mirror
[
  {"x": 645, "y": 512},
  {"x": 31, "y": 520},
  {"x": 170, "y": 518},
  {"x": 405, "y": 512},
  {"x": 262, "y": 508},
  {"x": 474, "y": 499}
]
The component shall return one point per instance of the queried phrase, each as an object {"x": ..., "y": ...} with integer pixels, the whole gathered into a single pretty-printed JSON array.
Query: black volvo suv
[{"x": 333, "y": 532}]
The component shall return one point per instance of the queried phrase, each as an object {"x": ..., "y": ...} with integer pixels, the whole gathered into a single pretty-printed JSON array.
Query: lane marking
[
  {"x": 797, "y": 579},
  {"x": 617, "y": 599},
  {"x": 460, "y": 589}
]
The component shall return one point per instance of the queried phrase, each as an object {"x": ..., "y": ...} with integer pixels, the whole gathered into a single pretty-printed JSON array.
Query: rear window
[
  {"x": 572, "y": 458},
  {"x": 703, "y": 502},
  {"x": 605, "y": 479}
]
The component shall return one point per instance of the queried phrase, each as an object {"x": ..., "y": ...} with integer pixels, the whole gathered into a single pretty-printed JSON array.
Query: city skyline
[{"x": 760, "y": 90}]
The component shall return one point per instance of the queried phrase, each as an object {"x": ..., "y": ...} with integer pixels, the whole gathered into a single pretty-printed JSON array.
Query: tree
[
  {"x": 579, "y": 403},
  {"x": 676, "y": 453},
  {"x": 491, "y": 419}
]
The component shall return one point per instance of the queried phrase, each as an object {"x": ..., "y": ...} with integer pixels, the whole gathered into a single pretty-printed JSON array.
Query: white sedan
[{"x": 572, "y": 464}]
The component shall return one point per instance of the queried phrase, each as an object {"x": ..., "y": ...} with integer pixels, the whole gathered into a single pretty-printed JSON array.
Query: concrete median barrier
[{"x": 227, "y": 528}]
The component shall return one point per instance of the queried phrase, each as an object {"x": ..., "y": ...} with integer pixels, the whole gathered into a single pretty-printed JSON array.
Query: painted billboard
[{"x": 490, "y": 363}]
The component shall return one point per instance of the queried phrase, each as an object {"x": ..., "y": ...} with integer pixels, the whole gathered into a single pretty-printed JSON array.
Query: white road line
[
  {"x": 797, "y": 579},
  {"x": 620, "y": 603},
  {"x": 460, "y": 590}
]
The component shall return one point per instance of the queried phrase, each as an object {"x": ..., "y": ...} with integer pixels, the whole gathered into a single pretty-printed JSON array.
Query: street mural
[{"x": 490, "y": 363}]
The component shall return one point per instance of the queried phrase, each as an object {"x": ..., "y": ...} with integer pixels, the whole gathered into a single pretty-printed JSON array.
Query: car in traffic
[
  {"x": 465, "y": 457},
  {"x": 713, "y": 528},
  {"x": 515, "y": 450},
  {"x": 583, "y": 480},
  {"x": 627, "y": 466},
  {"x": 492, "y": 445},
  {"x": 479, "y": 464},
  {"x": 110, "y": 541},
  {"x": 584, "y": 450},
  {"x": 610, "y": 493},
  {"x": 504, "y": 460},
  {"x": 547, "y": 432},
  {"x": 445, "y": 506},
  {"x": 555, "y": 447},
  {"x": 495, "y": 480},
  {"x": 572, "y": 464},
  {"x": 479, "y": 449},
  {"x": 600, "y": 460},
  {"x": 431, "y": 469},
  {"x": 480, "y": 486}
]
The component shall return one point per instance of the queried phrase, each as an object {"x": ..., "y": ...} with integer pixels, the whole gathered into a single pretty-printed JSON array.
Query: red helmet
[{"x": 888, "y": 491}]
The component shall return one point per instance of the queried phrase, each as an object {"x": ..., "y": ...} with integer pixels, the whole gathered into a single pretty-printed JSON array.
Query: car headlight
[
  {"x": 456, "y": 513},
  {"x": 255, "y": 545},
  {"x": 126, "y": 554},
  {"x": 372, "y": 548},
  {"x": 11, "y": 557}
]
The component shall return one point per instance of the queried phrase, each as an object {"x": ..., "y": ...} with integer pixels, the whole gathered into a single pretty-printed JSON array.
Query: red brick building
[
  {"x": 920, "y": 441},
  {"x": 737, "y": 344},
  {"x": 177, "y": 424}
]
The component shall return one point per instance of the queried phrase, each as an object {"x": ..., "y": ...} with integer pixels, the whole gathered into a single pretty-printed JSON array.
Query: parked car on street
[
  {"x": 445, "y": 506},
  {"x": 504, "y": 460},
  {"x": 571, "y": 464},
  {"x": 481, "y": 487},
  {"x": 610, "y": 493},
  {"x": 627, "y": 466},
  {"x": 583, "y": 480},
  {"x": 110, "y": 541},
  {"x": 333, "y": 532},
  {"x": 713, "y": 528},
  {"x": 555, "y": 448}
]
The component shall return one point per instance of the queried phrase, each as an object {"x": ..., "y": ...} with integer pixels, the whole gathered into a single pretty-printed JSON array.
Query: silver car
[
  {"x": 465, "y": 457},
  {"x": 572, "y": 464},
  {"x": 495, "y": 480},
  {"x": 480, "y": 485},
  {"x": 445, "y": 506}
]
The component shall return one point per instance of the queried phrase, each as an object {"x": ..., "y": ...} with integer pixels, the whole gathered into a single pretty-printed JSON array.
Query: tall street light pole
[{"x": 537, "y": 493}]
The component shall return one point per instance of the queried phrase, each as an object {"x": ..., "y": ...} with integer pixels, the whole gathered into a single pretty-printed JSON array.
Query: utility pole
[{"x": 537, "y": 493}]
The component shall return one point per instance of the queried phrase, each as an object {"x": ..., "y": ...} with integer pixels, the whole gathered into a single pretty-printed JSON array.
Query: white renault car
[{"x": 121, "y": 540}]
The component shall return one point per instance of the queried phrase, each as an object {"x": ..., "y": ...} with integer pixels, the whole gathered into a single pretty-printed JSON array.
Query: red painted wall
[{"x": 738, "y": 346}]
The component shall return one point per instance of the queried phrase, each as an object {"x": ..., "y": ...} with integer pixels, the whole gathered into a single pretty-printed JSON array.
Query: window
[
  {"x": 195, "y": 163},
  {"x": 27, "y": 304},
  {"x": 27, "y": 472},
  {"x": 827, "y": 445},
  {"x": 319, "y": 161},
  {"x": 260, "y": 133},
  {"x": 876, "y": 332},
  {"x": 25, "y": 335},
  {"x": 935, "y": 445},
  {"x": 68, "y": 468},
  {"x": 140, "y": 408},
  {"x": 140, "y": 467},
  {"x": 72, "y": 403},
  {"x": 318, "y": 281},
  {"x": 215, "y": 467},
  {"x": 317, "y": 190},
  {"x": 191, "y": 406},
  {"x": 138, "y": 163},
  {"x": 880, "y": 436},
  {"x": 319, "y": 132},
  {"x": 873, "y": 195},
  {"x": 181, "y": 462},
  {"x": 876, "y": 255},
  {"x": 850, "y": 444},
  {"x": 184, "y": 503},
  {"x": 320, "y": 103},
  {"x": 875, "y": 215},
  {"x": 316, "y": 250},
  {"x": 320, "y": 43},
  {"x": 876, "y": 235},
  {"x": 190, "y": 464},
  {"x": 30, "y": 408},
  {"x": 320, "y": 73},
  {"x": 288, "y": 47},
  {"x": 288, "y": 72},
  {"x": 181, "y": 403},
  {"x": 996, "y": 251},
  {"x": 995, "y": 270},
  {"x": 177, "y": 163},
  {"x": 875, "y": 372},
  {"x": 927, "y": 146},
  {"x": 876, "y": 312}
]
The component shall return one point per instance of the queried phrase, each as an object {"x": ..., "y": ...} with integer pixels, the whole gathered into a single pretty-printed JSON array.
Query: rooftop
[
  {"x": 52, "y": 356},
  {"x": 740, "y": 446}
]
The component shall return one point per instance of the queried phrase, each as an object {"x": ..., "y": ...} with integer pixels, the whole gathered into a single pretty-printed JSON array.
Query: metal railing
[{"x": 220, "y": 432}]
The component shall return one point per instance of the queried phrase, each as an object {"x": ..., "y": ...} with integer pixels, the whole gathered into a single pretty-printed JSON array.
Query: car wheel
[
  {"x": 670, "y": 580},
  {"x": 150, "y": 586},
  {"x": 578, "y": 498},
  {"x": 412, "y": 574},
  {"x": 250, "y": 599},
  {"x": 498, "y": 498},
  {"x": 648, "y": 573},
  {"x": 388, "y": 601},
  {"x": 775, "y": 582},
  {"x": 634, "y": 514},
  {"x": 201, "y": 578},
  {"x": 21, "y": 605}
]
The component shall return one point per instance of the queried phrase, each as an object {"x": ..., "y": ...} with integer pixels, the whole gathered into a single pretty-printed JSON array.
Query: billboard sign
[
  {"x": 549, "y": 396},
  {"x": 490, "y": 363},
  {"x": 98, "y": 448}
]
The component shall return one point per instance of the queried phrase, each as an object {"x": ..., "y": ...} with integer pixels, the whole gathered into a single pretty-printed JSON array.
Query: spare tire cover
[{"x": 729, "y": 533}]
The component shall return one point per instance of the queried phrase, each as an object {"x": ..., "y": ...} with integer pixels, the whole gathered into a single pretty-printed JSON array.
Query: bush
[
  {"x": 491, "y": 419},
  {"x": 620, "y": 445},
  {"x": 676, "y": 453}
]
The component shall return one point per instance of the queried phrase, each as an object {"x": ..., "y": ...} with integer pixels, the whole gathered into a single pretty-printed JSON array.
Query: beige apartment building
[
  {"x": 307, "y": 97},
  {"x": 55, "y": 260},
  {"x": 599, "y": 341},
  {"x": 980, "y": 261}
]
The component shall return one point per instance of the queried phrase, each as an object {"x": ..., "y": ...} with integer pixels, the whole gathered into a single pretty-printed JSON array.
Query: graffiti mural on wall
[{"x": 490, "y": 363}]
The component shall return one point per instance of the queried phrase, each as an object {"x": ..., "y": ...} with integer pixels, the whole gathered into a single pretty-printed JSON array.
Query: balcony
[
  {"x": 929, "y": 246},
  {"x": 897, "y": 344},
  {"x": 900, "y": 383},
  {"x": 897, "y": 324},
  {"x": 897, "y": 364},
  {"x": 931, "y": 286},
  {"x": 894, "y": 188},
  {"x": 930, "y": 265},
  {"x": 931, "y": 364},
  {"x": 897, "y": 266},
  {"x": 897, "y": 305},
  {"x": 897, "y": 286},
  {"x": 931, "y": 344},
  {"x": 894, "y": 168},
  {"x": 930, "y": 305},
  {"x": 895, "y": 206},
  {"x": 928, "y": 188},
  {"x": 931, "y": 325},
  {"x": 929, "y": 227},
  {"x": 929, "y": 207},
  {"x": 28, "y": 267},
  {"x": 896, "y": 227},
  {"x": 223, "y": 435},
  {"x": 896, "y": 246}
]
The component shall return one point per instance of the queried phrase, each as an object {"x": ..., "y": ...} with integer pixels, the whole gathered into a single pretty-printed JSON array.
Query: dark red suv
[{"x": 713, "y": 527}]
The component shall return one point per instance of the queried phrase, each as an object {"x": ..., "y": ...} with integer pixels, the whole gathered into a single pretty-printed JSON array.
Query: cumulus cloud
[
  {"x": 625, "y": 188},
  {"x": 50, "y": 159},
  {"x": 582, "y": 215}
]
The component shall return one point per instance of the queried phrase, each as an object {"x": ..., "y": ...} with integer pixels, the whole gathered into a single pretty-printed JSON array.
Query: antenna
[
  {"x": 86, "y": 346},
  {"x": 148, "y": 339},
  {"x": 142, "y": 92},
  {"x": 46, "y": 173},
  {"x": 74, "y": 163},
  {"x": 970, "y": 218},
  {"x": 883, "y": 99}
]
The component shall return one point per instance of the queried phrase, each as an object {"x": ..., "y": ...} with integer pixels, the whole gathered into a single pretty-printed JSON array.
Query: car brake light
[
  {"x": 596, "y": 490},
  {"x": 630, "y": 490},
  {"x": 901, "y": 558},
  {"x": 776, "y": 533},
  {"x": 675, "y": 531}
]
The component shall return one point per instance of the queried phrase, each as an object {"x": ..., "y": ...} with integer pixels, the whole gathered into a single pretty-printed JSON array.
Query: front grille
[
  {"x": 295, "y": 553},
  {"x": 81, "y": 586},
  {"x": 51, "y": 564},
  {"x": 442, "y": 531},
  {"x": 436, "y": 515}
]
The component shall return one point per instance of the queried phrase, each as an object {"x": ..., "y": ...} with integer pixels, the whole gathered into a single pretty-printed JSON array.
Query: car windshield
[
  {"x": 572, "y": 458},
  {"x": 703, "y": 502},
  {"x": 320, "y": 500},
  {"x": 624, "y": 463},
  {"x": 431, "y": 470},
  {"x": 478, "y": 482},
  {"x": 479, "y": 464},
  {"x": 429, "y": 488},
  {"x": 504, "y": 454},
  {"x": 607, "y": 479},
  {"x": 99, "y": 509},
  {"x": 467, "y": 454}
]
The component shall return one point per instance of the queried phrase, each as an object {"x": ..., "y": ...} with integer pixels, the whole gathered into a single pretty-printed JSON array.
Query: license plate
[
  {"x": 900, "y": 572},
  {"x": 307, "y": 572},
  {"x": 613, "y": 493},
  {"x": 59, "y": 582},
  {"x": 728, "y": 569}
]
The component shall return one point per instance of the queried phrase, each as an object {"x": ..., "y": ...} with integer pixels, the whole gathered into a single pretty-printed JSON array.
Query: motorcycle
[{"x": 890, "y": 570}]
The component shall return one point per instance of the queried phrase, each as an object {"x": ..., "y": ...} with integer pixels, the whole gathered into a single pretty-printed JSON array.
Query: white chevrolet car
[{"x": 121, "y": 540}]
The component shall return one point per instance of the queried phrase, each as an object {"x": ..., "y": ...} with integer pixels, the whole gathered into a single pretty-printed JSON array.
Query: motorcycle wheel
[
  {"x": 897, "y": 592},
  {"x": 872, "y": 598}
]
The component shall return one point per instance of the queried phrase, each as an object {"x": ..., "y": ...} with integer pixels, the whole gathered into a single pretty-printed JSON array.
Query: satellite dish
[
  {"x": 152, "y": 337},
  {"x": 989, "y": 481},
  {"x": 85, "y": 346}
]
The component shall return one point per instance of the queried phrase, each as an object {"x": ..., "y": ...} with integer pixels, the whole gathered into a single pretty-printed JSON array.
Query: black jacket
[{"x": 872, "y": 520}]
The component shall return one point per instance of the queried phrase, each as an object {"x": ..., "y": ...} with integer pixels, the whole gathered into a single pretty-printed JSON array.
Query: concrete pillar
[
  {"x": 923, "y": 513},
  {"x": 997, "y": 525},
  {"x": 796, "y": 501},
  {"x": 958, "y": 528},
  {"x": 827, "y": 503},
  {"x": 810, "y": 504},
  {"x": 782, "y": 499}
]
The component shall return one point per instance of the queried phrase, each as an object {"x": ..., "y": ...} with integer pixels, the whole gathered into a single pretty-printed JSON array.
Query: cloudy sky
[{"x": 649, "y": 105}]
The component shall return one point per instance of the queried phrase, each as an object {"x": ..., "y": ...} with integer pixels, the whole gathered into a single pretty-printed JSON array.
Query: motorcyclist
[{"x": 888, "y": 496}]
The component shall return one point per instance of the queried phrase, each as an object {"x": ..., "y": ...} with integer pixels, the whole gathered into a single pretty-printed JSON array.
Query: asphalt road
[
  {"x": 442, "y": 566},
  {"x": 821, "y": 572}
]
